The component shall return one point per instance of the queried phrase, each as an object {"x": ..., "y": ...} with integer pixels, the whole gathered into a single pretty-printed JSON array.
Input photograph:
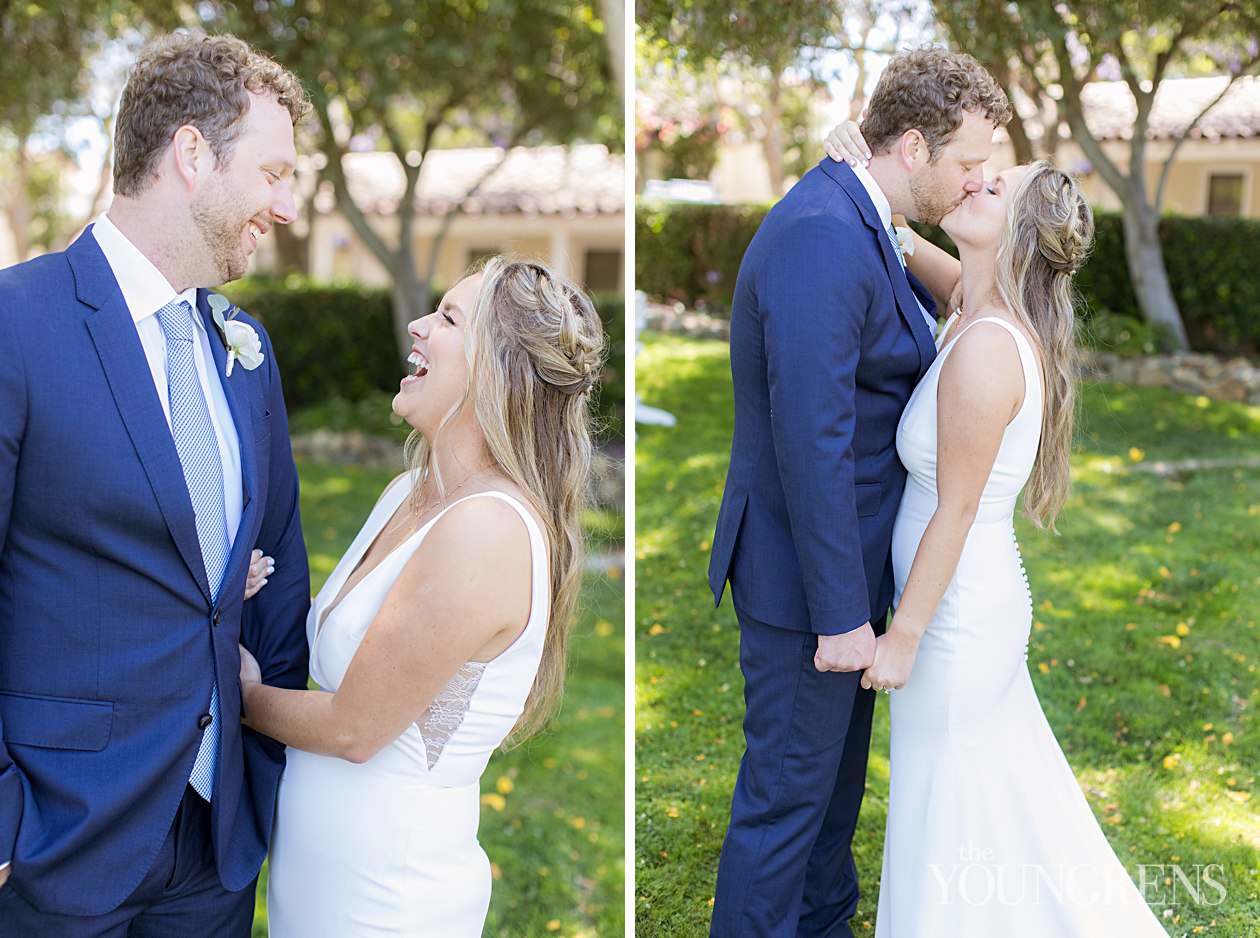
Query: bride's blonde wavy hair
[
  {"x": 1049, "y": 231},
  {"x": 535, "y": 351}
]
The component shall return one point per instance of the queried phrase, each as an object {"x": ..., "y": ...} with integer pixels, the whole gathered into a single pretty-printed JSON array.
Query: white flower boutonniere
[
  {"x": 905, "y": 241},
  {"x": 239, "y": 338}
]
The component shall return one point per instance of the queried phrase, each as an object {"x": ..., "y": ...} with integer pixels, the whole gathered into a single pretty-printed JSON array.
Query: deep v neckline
[{"x": 344, "y": 591}]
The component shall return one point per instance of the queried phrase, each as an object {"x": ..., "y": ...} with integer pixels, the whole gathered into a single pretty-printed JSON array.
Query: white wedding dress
[
  {"x": 988, "y": 833},
  {"x": 389, "y": 846}
]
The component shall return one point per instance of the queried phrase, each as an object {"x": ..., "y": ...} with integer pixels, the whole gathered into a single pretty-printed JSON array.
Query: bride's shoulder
[{"x": 986, "y": 360}]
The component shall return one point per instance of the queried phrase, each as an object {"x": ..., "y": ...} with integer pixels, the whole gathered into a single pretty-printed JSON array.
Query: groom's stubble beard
[
  {"x": 219, "y": 217},
  {"x": 931, "y": 200}
]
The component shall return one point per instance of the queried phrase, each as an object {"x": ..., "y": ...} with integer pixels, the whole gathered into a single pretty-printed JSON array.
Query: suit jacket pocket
[
  {"x": 868, "y": 496},
  {"x": 262, "y": 427},
  {"x": 56, "y": 722}
]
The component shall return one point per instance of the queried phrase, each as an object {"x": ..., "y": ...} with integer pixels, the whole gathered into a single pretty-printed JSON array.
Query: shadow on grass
[{"x": 1143, "y": 652}]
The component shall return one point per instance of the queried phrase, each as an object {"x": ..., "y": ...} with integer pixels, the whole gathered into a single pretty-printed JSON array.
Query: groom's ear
[
  {"x": 190, "y": 152},
  {"x": 912, "y": 150}
]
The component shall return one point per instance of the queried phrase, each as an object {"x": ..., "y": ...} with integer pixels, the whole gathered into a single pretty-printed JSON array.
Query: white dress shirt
[
  {"x": 884, "y": 211},
  {"x": 145, "y": 291}
]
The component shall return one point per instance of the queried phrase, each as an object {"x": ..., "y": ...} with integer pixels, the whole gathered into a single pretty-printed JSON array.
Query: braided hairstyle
[
  {"x": 1049, "y": 232},
  {"x": 535, "y": 352}
]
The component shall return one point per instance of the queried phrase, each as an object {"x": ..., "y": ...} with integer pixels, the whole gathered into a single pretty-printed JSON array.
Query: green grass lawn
[
  {"x": 1144, "y": 650},
  {"x": 553, "y": 809}
]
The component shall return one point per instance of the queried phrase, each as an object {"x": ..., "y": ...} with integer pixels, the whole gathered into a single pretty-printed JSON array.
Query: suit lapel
[
  {"x": 906, "y": 303},
  {"x": 113, "y": 332},
  {"x": 235, "y": 390}
]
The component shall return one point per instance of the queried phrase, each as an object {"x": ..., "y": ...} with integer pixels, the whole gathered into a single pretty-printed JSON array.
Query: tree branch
[
  {"x": 1071, "y": 109},
  {"x": 345, "y": 201},
  {"x": 448, "y": 219},
  {"x": 1185, "y": 132}
]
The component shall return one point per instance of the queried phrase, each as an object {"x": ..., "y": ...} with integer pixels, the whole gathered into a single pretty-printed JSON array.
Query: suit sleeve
[
  {"x": 13, "y": 393},
  {"x": 273, "y": 623},
  {"x": 814, "y": 297}
]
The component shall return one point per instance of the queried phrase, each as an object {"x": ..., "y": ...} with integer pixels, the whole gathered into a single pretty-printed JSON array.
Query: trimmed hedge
[
  {"x": 336, "y": 341},
  {"x": 691, "y": 253}
]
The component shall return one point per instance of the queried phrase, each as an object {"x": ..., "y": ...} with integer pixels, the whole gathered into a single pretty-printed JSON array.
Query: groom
[
  {"x": 135, "y": 477},
  {"x": 828, "y": 338}
]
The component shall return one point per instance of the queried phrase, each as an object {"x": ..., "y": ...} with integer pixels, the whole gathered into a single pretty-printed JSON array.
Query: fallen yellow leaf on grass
[
  {"x": 504, "y": 785},
  {"x": 1043, "y": 667},
  {"x": 657, "y": 629},
  {"x": 1174, "y": 527},
  {"x": 1136, "y": 454},
  {"x": 672, "y": 812},
  {"x": 1227, "y": 738},
  {"x": 1239, "y": 796},
  {"x": 1171, "y": 762},
  {"x": 603, "y": 628},
  {"x": 493, "y": 801},
  {"x": 1183, "y": 629},
  {"x": 1172, "y": 641}
]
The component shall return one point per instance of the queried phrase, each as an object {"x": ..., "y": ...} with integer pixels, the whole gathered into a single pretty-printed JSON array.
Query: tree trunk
[
  {"x": 412, "y": 295},
  {"x": 613, "y": 13},
  {"x": 772, "y": 142},
  {"x": 1150, "y": 278},
  {"x": 293, "y": 251},
  {"x": 20, "y": 202},
  {"x": 1018, "y": 133}
]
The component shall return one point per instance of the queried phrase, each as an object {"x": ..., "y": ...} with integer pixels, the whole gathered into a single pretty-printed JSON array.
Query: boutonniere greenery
[{"x": 239, "y": 338}]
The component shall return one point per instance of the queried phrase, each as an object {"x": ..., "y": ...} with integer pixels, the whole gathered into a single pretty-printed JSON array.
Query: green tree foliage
[
  {"x": 770, "y": 44},
  {"x": 413, "y": 75},
  {"x": 1057, "y": 49}
]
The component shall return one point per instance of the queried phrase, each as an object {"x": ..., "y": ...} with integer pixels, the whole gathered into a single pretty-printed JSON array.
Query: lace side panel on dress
[{"x": 446, "y": 713}]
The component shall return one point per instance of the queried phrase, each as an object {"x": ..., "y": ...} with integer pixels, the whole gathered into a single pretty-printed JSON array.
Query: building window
[
  {"x": 1225, "y": 193},
  {"x": 603, "y": 271}
]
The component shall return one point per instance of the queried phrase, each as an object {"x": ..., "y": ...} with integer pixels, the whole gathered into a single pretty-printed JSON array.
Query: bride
[
  {"x": 988, "y": 834},
  {"x": 442, "y": 630}
]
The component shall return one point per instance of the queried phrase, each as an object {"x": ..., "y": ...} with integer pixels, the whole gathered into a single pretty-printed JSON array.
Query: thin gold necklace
[{"x": 419, "y": 514}]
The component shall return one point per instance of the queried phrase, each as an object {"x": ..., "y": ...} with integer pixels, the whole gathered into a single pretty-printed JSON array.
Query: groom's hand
[
  {"x": 4, "y": 874},
  {"x": 852, "y": 651}
]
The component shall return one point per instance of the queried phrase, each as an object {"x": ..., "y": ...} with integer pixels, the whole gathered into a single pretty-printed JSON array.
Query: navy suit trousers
[
  {"x": 180, "y": 897},
  {"x": 786, "y": 868}
]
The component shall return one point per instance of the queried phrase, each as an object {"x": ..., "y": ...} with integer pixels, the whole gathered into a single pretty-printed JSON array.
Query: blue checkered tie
[
  {"x": 203, "y": 472},
  {"x": 892, "y": 236}
]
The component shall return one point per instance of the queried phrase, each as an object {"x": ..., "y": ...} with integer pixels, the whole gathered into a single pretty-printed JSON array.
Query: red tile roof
[
  {"x": 554, "y": 180},
  {"x": 1110, "y": 109}
]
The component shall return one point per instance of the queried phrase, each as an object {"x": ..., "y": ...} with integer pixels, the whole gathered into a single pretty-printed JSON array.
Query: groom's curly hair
[
  {"x": 189, "y": 78},
  {"x": 928, "y": 90}
]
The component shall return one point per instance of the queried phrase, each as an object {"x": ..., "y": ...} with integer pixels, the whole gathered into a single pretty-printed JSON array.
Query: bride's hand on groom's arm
[
  {"x": 260, "y": 568},
  {"x": 850, "y": 651},
  {"x": 251, "y": 673},
  {"x": 4, "y": 874}
]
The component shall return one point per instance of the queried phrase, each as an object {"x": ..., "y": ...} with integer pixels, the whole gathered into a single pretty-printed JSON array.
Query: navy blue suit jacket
[
  {"x": 827, "y": 343},
  {"x": 108, "y": 635}
]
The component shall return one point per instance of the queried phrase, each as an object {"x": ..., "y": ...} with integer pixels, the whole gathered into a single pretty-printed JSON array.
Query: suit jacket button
[
  {"x": 218, "y": 617},
  {"x": 204, "y": 721}
]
